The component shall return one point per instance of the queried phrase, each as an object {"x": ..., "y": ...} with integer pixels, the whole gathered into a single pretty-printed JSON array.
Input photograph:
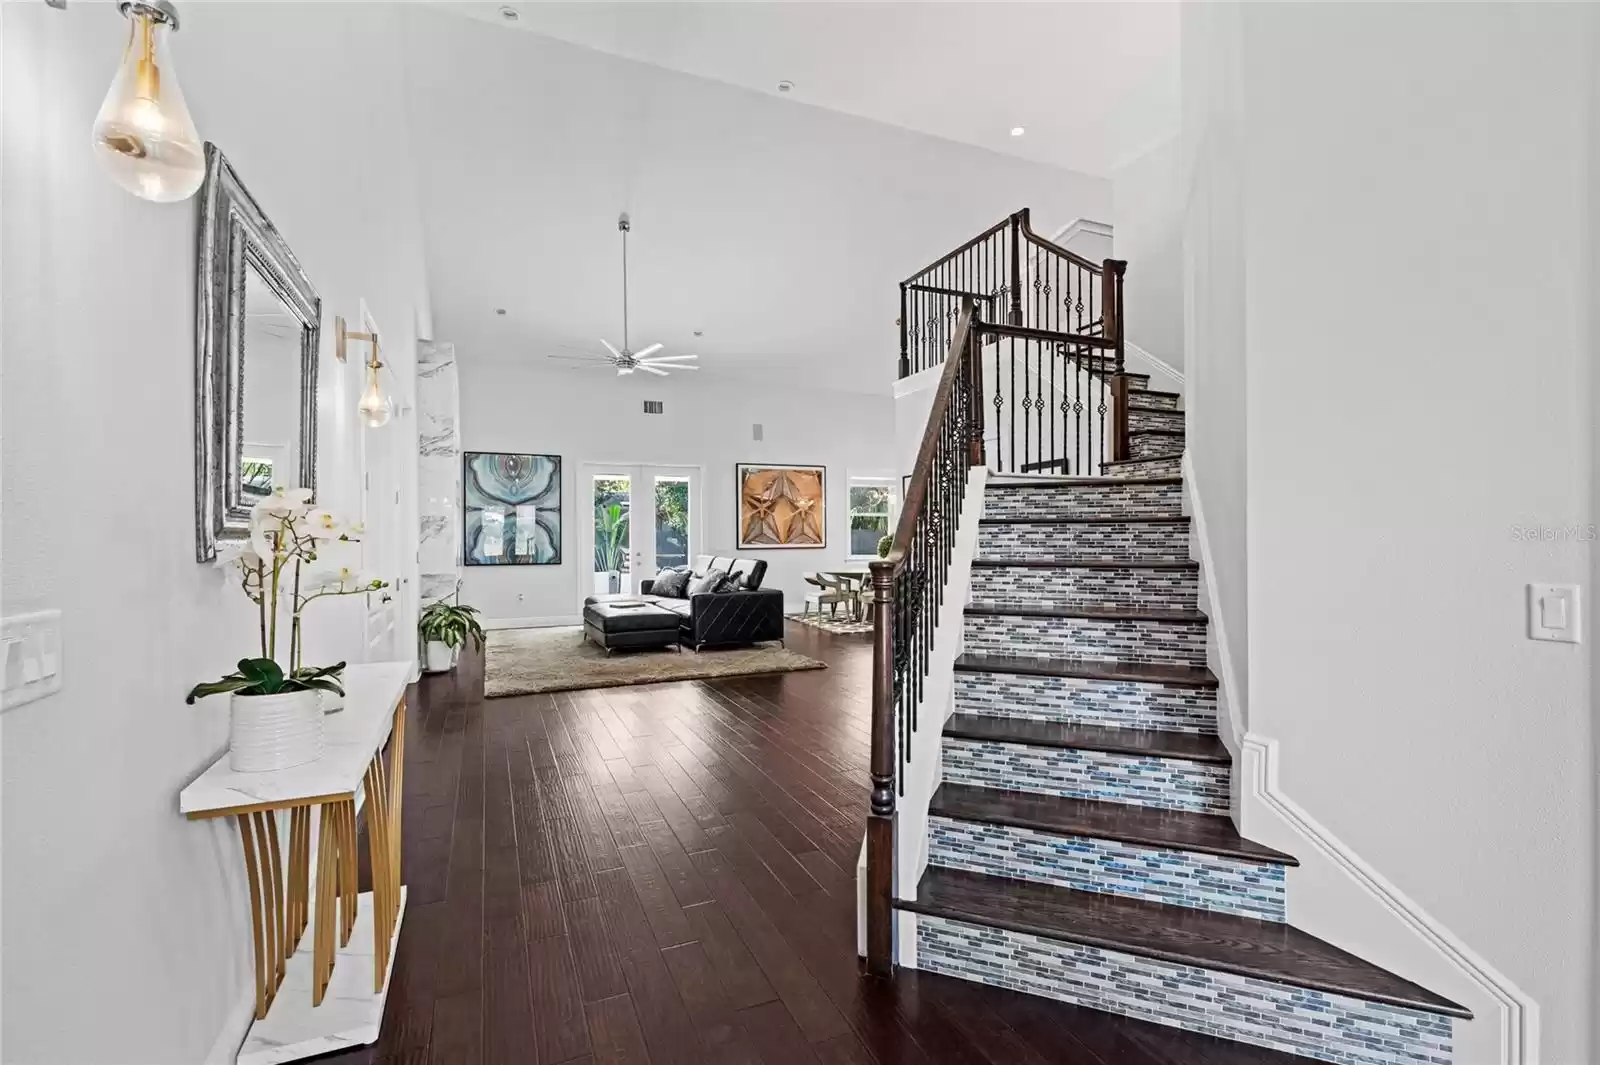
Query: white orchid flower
[
  {"x": 322, "y": 525},
  {"x": 284, "y": 503}
]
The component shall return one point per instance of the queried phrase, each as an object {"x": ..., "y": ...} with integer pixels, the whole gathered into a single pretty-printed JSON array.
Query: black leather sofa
[{"x": 720, "y": 619}]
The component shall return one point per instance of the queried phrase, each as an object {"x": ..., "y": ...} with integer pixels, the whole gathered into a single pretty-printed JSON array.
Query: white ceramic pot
[
  {"x": 437, "y": 657},
  {"x": 268, "y": 732},
  {"x": 602, "y": 583},
  {"x": 332, "y": 702}
]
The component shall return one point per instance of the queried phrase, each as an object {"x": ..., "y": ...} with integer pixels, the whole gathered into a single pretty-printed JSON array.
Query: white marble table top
[{"x": 351, "y": 736}]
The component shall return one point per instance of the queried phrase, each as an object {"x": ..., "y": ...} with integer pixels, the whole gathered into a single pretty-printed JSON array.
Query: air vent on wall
[
  {"x": 755, "y": 431},
  {"x": 654, "y": 406}
]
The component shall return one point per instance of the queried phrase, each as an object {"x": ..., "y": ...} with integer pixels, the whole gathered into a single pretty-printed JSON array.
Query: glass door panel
[
  {"x": 637, "y": 521},
  {"x": 611, "y": 503}
]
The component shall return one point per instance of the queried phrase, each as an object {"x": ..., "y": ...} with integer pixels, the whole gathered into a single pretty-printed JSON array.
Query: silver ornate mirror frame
[{"x": 234, "y": 233}]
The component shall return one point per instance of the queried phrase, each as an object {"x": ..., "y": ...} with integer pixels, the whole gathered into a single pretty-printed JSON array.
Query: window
[{"x": 872, "y": 507}]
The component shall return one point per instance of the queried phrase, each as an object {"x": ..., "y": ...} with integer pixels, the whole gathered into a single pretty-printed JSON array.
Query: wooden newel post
[
  {"x": 1111, "y": 274},
  {"x": 974, "y": 371},
  {"x": 905, "y": 356},
  {"x": 1016, "y": 269},
  {"x": 881, "y": 817}
]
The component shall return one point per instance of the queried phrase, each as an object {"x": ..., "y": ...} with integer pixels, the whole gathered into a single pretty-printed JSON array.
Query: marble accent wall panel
[{"x": 438, "y": 469}]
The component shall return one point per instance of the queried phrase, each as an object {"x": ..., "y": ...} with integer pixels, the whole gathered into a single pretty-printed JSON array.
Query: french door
[{"x": 636, "y": 521}]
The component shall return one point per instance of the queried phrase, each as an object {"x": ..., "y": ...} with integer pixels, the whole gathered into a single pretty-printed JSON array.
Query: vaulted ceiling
[{"x": 774, "y": 225}]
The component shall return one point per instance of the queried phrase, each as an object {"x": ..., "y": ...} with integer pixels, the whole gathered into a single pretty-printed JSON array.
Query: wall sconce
[
  {"x": 375, "y": 408},
  {"x": 143, "y": 134}
]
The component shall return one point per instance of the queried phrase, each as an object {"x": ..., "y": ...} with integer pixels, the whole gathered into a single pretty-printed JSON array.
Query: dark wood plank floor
[{"x": 665, "y": 875}]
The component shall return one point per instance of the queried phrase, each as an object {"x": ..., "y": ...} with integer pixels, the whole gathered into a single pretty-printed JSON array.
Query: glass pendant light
[
  {"x": 143, "y": 134},
  {"x": 375, "y": 407}
]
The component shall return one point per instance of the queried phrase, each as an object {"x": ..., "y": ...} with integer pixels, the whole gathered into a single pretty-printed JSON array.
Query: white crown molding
[
  {"x": 533, "y": 623},
  {"x": 1518, "y": 1012},
  {"x": 1081, "y": 225},
  {"x": 1233, "y": 734}
]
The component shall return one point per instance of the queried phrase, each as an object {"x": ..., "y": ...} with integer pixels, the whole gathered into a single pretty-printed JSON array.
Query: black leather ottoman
[{"x": 617, "y": 627}]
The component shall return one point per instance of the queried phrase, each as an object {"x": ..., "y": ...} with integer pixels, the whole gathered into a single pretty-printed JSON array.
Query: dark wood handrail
[
  {"x": 1050, "y": 245},
  {"x": 937, "y": 291},
  {"x": 922, "y": 472},
  {"x": 1088, "y": 340},
  {"x": 979, "y": 239}
]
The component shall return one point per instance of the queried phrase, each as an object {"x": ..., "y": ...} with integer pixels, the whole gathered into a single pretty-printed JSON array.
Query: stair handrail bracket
[{"x": 908, "y": 587}]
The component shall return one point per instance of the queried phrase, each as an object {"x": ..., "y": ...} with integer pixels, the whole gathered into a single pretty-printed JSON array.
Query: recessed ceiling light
[
  {"x": 509, "y": 14},
  {"x": 500, "y": 310},
  {"x": 1017, "y": 131},
  {"x": 785, "y": 86}
]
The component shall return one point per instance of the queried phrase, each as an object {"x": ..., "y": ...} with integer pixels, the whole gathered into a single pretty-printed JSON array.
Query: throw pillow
[
  {"x": 733, "y": 582},
  {"x": 708, "y": 583},
  {"x": 671, "y": 584}
]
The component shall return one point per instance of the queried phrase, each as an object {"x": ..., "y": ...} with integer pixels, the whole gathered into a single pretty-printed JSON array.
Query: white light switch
[
  {"x": 1553, "y": 613},
  {"x": 30, "y": 657}
]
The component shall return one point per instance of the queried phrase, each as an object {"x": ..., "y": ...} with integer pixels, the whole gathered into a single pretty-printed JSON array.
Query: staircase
[{"x": 1079, "y": 843}]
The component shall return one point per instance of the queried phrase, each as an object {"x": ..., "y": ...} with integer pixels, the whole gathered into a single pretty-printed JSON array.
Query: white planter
[
  {"x": 607, "y": 583},
  {"x": 332, "y": 702},
  {"x": 438, "y": 657},
  {"x": 267, "y": 732}
]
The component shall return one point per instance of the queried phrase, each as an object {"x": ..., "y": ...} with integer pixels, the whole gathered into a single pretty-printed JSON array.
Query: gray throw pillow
[
  {"x": 707, "y": 583},
  {"x": 671, "y": 584},
  {"x": 733, "y": 582}
]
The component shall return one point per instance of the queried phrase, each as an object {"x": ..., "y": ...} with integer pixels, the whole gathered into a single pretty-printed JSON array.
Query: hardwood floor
[{"x": 665, "y": 875}]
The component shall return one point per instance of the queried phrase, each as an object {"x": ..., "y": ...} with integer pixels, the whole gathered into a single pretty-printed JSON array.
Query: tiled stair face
[
  {"x": 1139, "y": 780},
  {"x": 1130, "y": 585},
  {"x": 1317, "y": 1024},
  {"x": 1115, "y": 703},
  {"x": 1180, "y": 643},
  {"x": 1166, "y": 541},
  {"x": 1154, "y": 419},
  {"x": 1103, "y": 866},
  {"x": 1106, "y": 500},
  {"x": 1138, "y": 397},
  {"x": 1162, "y": 467},
  {"x": 1147, "y": 443}
]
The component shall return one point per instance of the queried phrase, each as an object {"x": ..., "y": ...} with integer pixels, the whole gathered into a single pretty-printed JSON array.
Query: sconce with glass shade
[
  {"x": 375, "y": 407},
  {"x": 143, "y": 134}
]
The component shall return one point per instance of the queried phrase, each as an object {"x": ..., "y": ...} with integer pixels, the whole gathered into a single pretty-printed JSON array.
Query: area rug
[
  {"x": 526, "y": 661},
  {"x": 840, "y": 623}
]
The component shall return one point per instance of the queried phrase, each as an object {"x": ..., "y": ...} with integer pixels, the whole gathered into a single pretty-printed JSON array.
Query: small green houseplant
[
  {"x": 276, "y": 707},
  {"x": 885, "y": 545},
  {"x": 610, "y": 546},
  {"x": 444, "y": 629}
]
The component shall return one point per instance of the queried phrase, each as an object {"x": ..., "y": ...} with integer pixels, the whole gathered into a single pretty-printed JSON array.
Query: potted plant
[
  {"x": 444, "y": 629},
  {"x": 276, "y": 709},
  {"x": 610, "y": 546},
  {"x": 885, "y": 545}
]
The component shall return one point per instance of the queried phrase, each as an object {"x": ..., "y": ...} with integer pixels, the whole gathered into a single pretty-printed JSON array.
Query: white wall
[
  {"x": 1388, "y": 654},
  {"x": 1147, "y": 205},
  {"x": 595, "y": 416},
  {"x": 114, "y": 903}
]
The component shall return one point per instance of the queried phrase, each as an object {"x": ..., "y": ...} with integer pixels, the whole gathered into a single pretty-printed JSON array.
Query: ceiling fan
[{"x": 627, "y": 361}]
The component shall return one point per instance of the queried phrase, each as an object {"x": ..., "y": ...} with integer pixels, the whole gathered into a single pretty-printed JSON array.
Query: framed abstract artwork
[
  {"x": 512, "y": 509},
  {"x": 782, "y": 506}
]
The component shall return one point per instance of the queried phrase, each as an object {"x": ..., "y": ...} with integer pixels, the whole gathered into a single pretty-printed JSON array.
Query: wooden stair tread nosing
[
  {"x": 1144, "y": 826},
  {"x": 1153, "y": 410},
  {"x": 1153, "y": 392},
  {"x": 1071, "y": 735},
  {"x": 1059, "y": 480},
  {"x": 1087, "y": 669},
  {"x": 1147, "y": 458},
  {"x": 1263, "y": 950},
  {"x": 1091, "y": 613},
  {"x": 1086, "y": 563},
  {"x": 1156, "y": 432},
  {"x": 1132, "y": 519}
]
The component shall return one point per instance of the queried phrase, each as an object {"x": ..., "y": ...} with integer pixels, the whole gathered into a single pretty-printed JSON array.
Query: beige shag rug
[{"x": 525, "y": 661}]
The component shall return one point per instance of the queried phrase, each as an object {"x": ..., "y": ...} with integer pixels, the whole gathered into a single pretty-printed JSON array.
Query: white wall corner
[
  {"x": 547, "y": 622},
  {"x": 1081, "y": 227},
  {"x": 1219, "y": 655},
  {"x": 225, "y": 1051},
  {"x": 1337, "y": 896}
]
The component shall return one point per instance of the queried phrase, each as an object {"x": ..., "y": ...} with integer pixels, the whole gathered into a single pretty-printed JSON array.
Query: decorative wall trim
[
  {"x": 552, "y": 621},
  {"x": 1078, "y": 226},
  {"x": 1518, "y": 1013},
  {"x": 1232, "y": 728},
  {"x": 1161, "y": 364}
]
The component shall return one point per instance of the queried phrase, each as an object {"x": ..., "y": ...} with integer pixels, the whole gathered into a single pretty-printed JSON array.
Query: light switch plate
[
  {"x": 1554, "y": 613},
  {"x": 30, "y": 657}
]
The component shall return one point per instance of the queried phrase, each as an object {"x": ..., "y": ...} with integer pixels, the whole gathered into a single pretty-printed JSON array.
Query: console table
[{"x": 312, "y": 998}]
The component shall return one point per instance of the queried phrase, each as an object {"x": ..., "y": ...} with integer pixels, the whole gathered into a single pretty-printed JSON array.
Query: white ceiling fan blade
[
  {"x": 614, "y": 352},
  {"x": 596, "y": 359},
  {"x": 647, "y": 368},
  {"x": 674, "y": 365},
  {"x": 669, "y": 358},
  {"x": 651, "y": 350}
]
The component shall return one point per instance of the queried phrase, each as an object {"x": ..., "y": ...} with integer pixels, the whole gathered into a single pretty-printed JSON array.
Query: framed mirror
[{"x": 259, "y": 324}]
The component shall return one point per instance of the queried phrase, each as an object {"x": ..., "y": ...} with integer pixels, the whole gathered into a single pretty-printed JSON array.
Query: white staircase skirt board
[
  {"x": 1114, "y": 703},
  {"x": 1296, "y": 1020}
]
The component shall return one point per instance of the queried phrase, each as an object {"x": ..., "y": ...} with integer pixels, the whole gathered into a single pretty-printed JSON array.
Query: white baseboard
[
  {"x": 225, "y": 1051},
  {"x": 1517, "y": 1012},
  {"x": 533, "y": 623},
  {"x": 1233, "y": 729}
]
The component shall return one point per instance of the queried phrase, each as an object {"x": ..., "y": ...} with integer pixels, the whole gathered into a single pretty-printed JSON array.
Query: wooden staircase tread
[
  {"x": 1131, "y": 519},
  {"x": 1156, "y": 432},
  {"x": 1153, "y": 410},
  {"x": 1086, "y": 669},
  {"x": 1153, "y": 392},
  {"x": 1091, "y": 613},
  {"x": 1147, "y": 458},
  {"x": 1265, "y": 950},
  {"x": 1084, "y": 563},
  {"x": 1071, "y": 735},
  {"x": 1142, "y": 825},
  {"x": 1059, "y": 480}
]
